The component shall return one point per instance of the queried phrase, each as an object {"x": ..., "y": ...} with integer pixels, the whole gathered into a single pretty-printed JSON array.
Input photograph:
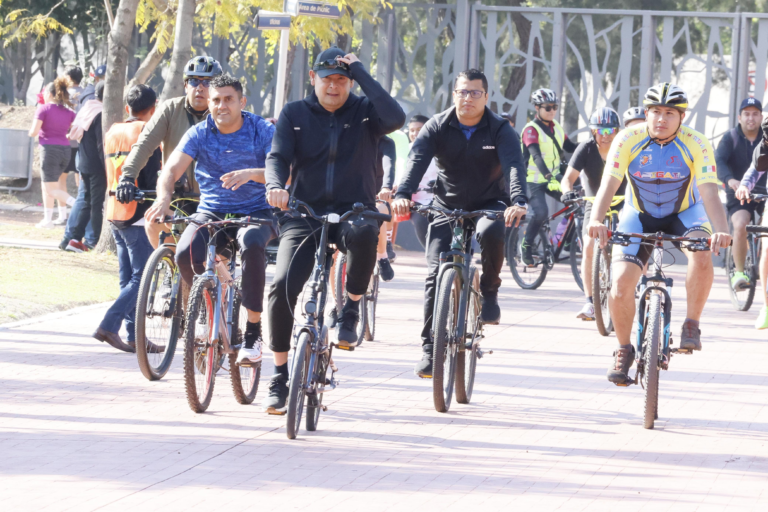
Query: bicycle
[
  {"x": 601, "y": 271},
  {"x": 546, "y": 251},
  {"x": 654, "y": 315},
  {"x": 742, "y": 298},
  {"x": 214, "y": 323},
  {"x": 312, "y": 349},
  {"x": 456, "y": 326}
]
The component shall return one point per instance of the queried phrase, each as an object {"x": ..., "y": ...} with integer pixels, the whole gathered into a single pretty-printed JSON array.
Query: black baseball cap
[
  {"x": 326, "y": 63},
  {"x": 751, "y": 102}
]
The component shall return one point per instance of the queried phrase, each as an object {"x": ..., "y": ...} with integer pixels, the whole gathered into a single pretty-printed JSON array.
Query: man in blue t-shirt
[{"x": 229, "y": 148}]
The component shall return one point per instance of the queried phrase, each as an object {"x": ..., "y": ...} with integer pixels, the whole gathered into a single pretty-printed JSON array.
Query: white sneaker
[
  {"x": 60, "y": 222},
  {"x": 249, "y": 356},
  {"x": 45, "y": 224},
  {"x": 587, "y": 312}
]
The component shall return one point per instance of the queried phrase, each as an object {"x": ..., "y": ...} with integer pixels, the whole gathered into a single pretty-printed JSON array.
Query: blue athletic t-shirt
[{"x": 219, "y": 153}]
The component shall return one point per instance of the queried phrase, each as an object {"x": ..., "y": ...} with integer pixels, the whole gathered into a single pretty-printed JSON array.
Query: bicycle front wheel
[
  {"x": 297, "y": 385},
  {"x": 601, "y": 287},
  {"x": 652, "y": 361},
  {"x": 466, "y": 359},
  {"x": 201, "y": 354},
  {"x": 371, "y": 298},
  {"x": 157, "y": 326},
  {"x": 319, "y": 382},
  {"x": 444, "y": 327},
  {"x": 244, "y": 379},
  {"x": 527, "y": 277},
  {"x": 576, "y": 254}
]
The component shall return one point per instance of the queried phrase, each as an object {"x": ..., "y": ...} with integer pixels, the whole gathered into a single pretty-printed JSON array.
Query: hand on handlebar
[
  {"x": 159, "y": 210},
  {"x": 125, "y": 192},
  {"x": 401, "y": 207},
  {"x": 598, "y": 231},
  {"x": 384, "y": 194},
  {"x": 719, "y": 241},
  {"x": 742, "y": 193},
  {"x": 569, "y": 196},
  {"x": 278, "y": 198},
  {"x": 513, "y": 215}
]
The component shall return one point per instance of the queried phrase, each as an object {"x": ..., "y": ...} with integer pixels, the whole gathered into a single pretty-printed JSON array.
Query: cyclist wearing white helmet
[
  {"x": 544, "y": 147},
  {"x": 588, "y": 161},
  {"x": 672, "y": 188},
  {"x": 171, "y": 121},
  {"x": 633, "y": 116}
]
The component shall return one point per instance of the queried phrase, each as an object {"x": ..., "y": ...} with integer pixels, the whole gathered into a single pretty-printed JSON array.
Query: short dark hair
[
  {"x": 99, "y": 90},
  {"x": 474, "y": 74},
  {"x": 227, "y": 80},
  {"x": 140, "y": 97},
  {"x": 75, "y": 74},
  {"x": 418, "y": 118}
]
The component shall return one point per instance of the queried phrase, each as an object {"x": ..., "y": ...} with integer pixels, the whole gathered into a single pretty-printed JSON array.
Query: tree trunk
[
  {"x": 151, "y": 61},
  {"x": 182, "y": 50},
  {"x": 119, "y": 40}
]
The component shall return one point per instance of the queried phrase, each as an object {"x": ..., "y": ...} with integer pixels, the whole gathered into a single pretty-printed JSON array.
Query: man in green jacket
[{"x": 167, "y": 127}]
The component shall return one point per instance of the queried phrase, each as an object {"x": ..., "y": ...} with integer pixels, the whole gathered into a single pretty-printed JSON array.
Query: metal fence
[{"x": 592, "y": 58}]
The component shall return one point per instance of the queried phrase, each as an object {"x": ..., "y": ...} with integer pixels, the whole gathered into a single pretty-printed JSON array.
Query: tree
[{"x": 182, "y": 49}]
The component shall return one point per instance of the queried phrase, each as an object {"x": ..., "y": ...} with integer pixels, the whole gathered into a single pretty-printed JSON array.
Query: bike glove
[
  {"x": 568, "y": 196},
  {"x": 554, "y": 185},
  {"x": 125, "y": 192}
]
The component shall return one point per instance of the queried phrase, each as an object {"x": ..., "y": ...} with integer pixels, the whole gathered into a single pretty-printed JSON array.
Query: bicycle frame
[
  {"x": 461, "y": 255},
  {"x": 655, "y": 284},
  {"x": 570, "y": 212}
]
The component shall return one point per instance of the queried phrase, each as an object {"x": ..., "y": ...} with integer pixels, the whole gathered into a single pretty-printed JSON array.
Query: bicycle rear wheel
[
  {"x": 601, "y": 287},
  {"x": 244, "y": 379},
  {"x": 371, "y": 298},
  {"x": 526, "y": 277},
  {"x": 340, "y": 287},
  {"x": 576, "y": 253},
  {"x": 297, "y": 385},
  {"x": 742, "y": 299},
  {"x": 445, "y": 343},
  {"x": 319, "y": 381},
  {"x": 201, "y": 355},
  {"x": 466, "y": 359},
  {"x": 652, "y": 361}
]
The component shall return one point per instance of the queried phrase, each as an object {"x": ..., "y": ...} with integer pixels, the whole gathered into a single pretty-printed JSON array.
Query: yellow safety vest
[{"x": 548, "y": 152}]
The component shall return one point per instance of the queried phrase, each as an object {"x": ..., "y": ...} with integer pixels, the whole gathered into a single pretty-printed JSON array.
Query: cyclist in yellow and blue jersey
[{"x": 672, "y": 187}]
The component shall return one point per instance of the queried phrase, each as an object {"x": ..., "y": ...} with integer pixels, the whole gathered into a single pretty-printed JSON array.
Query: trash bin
[{"x": 16, "y": 156}]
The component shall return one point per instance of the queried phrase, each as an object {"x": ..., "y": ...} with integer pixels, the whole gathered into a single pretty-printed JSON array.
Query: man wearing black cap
[
  {"x": 733, "y": 158},
  {"x": 327, "y": 143}
]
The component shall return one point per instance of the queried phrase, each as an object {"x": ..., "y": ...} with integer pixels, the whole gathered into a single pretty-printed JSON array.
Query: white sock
[
  {"x": 47, "y": 214},
  {"x": 70, "y": 201},
  {"x": 62, "y": 212},
  {"x": 381, "y": 256}
]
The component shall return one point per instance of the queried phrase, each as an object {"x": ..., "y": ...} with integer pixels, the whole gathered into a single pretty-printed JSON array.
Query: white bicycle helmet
[
  {"x": 633, "y": 113},
  {"x": 666, "y": 94},
  {"x": 543, "y": 96}
]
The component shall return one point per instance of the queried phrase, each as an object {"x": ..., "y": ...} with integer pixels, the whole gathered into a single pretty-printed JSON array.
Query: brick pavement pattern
[{"x": 81, "y": 429}]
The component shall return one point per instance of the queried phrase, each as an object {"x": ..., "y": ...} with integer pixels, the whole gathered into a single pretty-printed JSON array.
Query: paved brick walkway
[{"x": 81, "y": 429}]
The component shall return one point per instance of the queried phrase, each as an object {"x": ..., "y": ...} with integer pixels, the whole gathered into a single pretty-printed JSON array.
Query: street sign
[
  {"x": 317, "y": 9},
  {"x": 290, "y": 7},
  {"x": 267, "y": 20}
]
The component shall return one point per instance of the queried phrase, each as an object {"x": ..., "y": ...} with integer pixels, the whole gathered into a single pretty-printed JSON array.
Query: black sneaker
[
  {"x": 527, "y": 254},
  {"x": 64, "y": 243},
  {"x": 490, "y": 312},
  {"x": 424, "y": 367},
  {"x": 391, "y": 254},
  {"x": 277, "y": 395},
  {"x": 346, "y": 330},
  {"x": 690, "y": 338},
  {"x": 333, "y": 318},
  {"x": 386, "y": 271},
  {"x": 623, "y": 358}
]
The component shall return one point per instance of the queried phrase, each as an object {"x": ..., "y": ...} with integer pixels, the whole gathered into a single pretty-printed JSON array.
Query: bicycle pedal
[
  {"x": 276, "y": 412},
  {"x": 682, "y": 351},
  {"x": 345, "y": 347}
]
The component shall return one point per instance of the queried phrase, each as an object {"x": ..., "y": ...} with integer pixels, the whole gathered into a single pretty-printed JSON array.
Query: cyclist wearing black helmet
[
  {"x": 544, "y": 147},
  {"x": 169, "y": 124},
  {"x": 327, "y": 143},
  {"x": 589, "y": 161}
]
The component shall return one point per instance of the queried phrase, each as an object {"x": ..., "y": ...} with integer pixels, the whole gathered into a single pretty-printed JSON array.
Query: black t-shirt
[{"x": 587, "y": 160}]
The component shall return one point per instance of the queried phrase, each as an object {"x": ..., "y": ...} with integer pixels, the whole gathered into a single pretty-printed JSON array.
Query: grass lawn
[
  {"x": 25, "y": 231},
  {"x": 37, "y": 282}
]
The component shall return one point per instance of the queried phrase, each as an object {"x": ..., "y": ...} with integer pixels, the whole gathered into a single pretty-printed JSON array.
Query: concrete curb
[
  {"x": 23, "y": 207},
  {"x": 53, "y": 316}
]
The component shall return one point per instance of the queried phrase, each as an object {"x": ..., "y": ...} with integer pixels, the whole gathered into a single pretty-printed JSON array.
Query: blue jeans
[
  {"x": 133, "y": 251},
  {"x": 84, "y": 210}
]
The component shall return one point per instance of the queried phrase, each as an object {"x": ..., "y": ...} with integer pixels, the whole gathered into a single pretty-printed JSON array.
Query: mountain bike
[
  {"x": 456, "y": 326},
  {"x": 654, "y": 315},
  {"x": 742, "y": 298},
  {"x": 601, "y": 270},
  {"x": 312, "y": 349},
  {"x": 546, "y": 250},
  {"x": 214, "y": 322}
]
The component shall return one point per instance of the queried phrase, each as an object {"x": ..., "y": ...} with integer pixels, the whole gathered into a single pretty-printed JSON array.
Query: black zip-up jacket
[
  {"x": 332, "y": 156},
  {"x": 734, "y": 158},
  {"x": 471, "y": 173},
  {"x": 385, "y": 163}
]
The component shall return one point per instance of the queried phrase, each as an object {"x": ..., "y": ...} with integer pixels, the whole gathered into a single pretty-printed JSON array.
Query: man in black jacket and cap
[
  {"x": 327, "y": 144},
  {"x": 480, "y": 167}
]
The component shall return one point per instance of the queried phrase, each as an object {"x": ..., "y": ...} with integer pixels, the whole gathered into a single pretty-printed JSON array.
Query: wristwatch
[{"x": 522, "y": 205}]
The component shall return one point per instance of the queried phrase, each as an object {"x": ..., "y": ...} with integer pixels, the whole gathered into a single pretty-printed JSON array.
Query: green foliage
[{"x": 34, "y": 20}]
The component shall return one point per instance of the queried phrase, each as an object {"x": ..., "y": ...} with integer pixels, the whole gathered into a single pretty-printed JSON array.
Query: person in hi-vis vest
[
  {"x": 544, "y": 147},
  {"x": 127, "y": 219}
]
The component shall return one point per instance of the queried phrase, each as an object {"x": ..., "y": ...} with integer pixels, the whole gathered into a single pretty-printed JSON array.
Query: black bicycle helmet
[
  {"x": 203, "y": 67},
  {"x": 666, "y": 94},
  {"x": 633, "y": 114},
  {"x": 604, "y": 117},
  {"x": 543, "y": 96}
]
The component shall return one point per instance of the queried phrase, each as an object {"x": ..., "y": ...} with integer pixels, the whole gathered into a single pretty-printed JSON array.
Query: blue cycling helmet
[{"x": 604, "y": 117}]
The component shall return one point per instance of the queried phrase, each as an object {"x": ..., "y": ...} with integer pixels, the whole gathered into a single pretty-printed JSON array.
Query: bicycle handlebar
[
  {"x": 696, "y": 244},
  {"x": 142, "y": 195},
  {"x": 757, "y": 229},
  {"x": 334, "y": 218},
  {"x": 458, "y": 214}
]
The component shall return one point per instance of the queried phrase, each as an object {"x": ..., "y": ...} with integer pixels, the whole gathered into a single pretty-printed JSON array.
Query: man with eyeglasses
[
  {"x": 327, "y": 143},
  {"x": 588, "y": 161},
  {"x": 480, "y": 167},
  {"x": 544, "y": 147},
  {"x": 167, "y": 127}
]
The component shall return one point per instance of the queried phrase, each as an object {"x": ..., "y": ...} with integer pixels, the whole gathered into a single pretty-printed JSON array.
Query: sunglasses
[
  {"x": 194, "y": 82},
  {"x": 463, "y": 93},
  {"x": 331, "y": 64},
  {"x": 550, "y": 108},
  {"x": 606, "y": 131}
]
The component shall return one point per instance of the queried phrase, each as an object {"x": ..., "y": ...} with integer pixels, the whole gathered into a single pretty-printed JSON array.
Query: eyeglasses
[
  {"x": 331, "y": 64},
  {"x": 606, "y": 131},
  {"x": 549, "y": 108},
  {"x": 194, "y": 82},
  {"x": 463, "y": 93}
]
